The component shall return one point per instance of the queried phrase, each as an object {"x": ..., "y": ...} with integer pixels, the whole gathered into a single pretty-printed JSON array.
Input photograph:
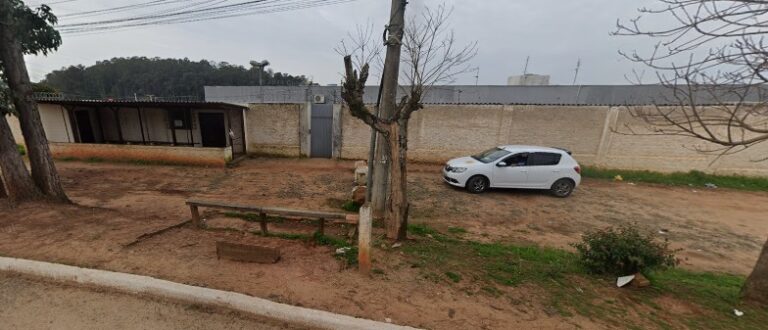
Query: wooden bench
[{"x": 263, "y": 212}]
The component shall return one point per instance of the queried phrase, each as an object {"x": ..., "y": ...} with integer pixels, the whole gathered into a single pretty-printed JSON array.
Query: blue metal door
[{"x": 321, "y": 131}]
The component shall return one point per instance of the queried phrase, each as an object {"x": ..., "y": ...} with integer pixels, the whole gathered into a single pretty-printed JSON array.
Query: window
[
  {"x": 179, "y": 119},
  {"x": 491, "y": 155},
  {"x": 544, "y": 159},
  {"x": 517, "y": 159}
]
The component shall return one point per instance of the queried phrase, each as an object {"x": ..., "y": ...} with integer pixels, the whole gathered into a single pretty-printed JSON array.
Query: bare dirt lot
[{"x": 718, "y": 230}]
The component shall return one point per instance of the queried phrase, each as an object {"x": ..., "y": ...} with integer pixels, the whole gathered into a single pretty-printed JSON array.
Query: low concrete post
[{"x": 364, "y": 240}]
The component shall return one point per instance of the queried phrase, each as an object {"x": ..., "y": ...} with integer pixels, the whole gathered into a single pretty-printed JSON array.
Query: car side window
[
  {"x": 517, "y": 160},
  {"x": 544, "y": 159}
]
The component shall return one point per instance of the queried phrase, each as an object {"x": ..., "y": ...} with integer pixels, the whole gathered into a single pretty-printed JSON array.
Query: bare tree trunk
[
  {"x": 397, "y": 204},
  {"x": 18, "y": 183},
  {"x": 396, "y": 30},
  {"x": 44, "y": 171},
  {"x": 756, "y": 287}
]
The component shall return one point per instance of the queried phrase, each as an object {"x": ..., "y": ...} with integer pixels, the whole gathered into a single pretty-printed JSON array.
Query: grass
[
  {"x": 692, "y": 178},
  {"x": 457, "y": 230},
  {"x": 22, "y": 150},
  {"x": 567, "y": 289},
  {"x": 456, "y": 278}
]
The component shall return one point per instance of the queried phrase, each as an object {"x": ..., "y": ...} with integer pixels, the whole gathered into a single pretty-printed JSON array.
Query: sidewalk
[
  {"x": 29, "y": 303},
  {"x": 157, "y": 288}
]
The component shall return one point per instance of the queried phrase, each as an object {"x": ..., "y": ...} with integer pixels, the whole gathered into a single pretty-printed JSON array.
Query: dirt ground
[
  {"x": 718, "y": 230},
  {"x": 31, "y": 304}
]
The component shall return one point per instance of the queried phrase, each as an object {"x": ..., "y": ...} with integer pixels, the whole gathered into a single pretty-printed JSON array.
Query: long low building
[{"x": 199, "y": 133}]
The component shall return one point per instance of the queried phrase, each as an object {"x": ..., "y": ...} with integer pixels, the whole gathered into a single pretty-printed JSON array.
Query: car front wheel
[
  {"x": 562, "y": 188},
  {"x": 477, "y": 184}
]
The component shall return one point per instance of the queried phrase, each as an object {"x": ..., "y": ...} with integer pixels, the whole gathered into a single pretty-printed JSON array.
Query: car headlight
[{"x": 459, "y": 169}]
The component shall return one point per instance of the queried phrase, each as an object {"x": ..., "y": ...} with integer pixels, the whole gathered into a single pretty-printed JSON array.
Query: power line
[{"x": 197, "y": 11}]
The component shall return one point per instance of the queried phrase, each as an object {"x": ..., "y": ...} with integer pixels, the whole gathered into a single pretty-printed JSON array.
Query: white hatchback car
[{"x": 516, "y": 166}]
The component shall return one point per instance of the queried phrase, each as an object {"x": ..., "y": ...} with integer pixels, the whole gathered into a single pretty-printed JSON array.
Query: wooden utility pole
[{"x": 396, "y": 30}]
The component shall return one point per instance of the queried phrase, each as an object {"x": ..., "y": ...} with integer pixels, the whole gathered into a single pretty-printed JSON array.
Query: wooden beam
[
  {"x": 196, "y": 216},
  {"x": 141, "y": 126},
  {"x": 247, "y": 253},
  {"x": 263, "y": 224},
  {"x": 172, "y": 125},
  {"x": 191, "y": 131},
  {"x": 321, "y": 227},
  {"x": 272, "y": 210}
]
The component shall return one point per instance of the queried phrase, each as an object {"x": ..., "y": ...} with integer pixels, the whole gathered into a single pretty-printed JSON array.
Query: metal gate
[{"x": 322, "y": 131}]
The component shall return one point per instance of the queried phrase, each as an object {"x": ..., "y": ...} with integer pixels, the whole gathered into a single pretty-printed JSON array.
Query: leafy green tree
[
  {"x": 125, "y": 77},
  {"x": 25, "y": 31}
]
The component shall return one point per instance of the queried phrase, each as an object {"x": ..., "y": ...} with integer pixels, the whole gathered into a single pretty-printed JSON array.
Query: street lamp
[{"x": 260, "y": 65}]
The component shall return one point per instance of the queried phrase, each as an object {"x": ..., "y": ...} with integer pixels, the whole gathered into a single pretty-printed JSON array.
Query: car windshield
[{"x": 491, "y": 155}]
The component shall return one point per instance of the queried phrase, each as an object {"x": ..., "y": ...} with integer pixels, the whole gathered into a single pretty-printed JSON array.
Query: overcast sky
[{"x": 554, "y": 33}]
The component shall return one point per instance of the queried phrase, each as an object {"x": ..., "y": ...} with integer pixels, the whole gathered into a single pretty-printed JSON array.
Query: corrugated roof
[
  {"x": 587, "y": 95},
  {"x": 145, "y": 104}
]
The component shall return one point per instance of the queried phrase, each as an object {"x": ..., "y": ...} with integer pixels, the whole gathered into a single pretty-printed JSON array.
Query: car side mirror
[{"x": 501, "y": 164}]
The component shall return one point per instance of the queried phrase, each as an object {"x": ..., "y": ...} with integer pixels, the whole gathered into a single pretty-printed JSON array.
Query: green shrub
[
  {"x": 22, "y": 150},
  {"x": 623, "y": 251},
  {"x": 351, "y": 206}
]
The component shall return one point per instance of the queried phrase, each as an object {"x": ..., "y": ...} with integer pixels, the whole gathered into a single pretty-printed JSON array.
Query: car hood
[{"x": 463, "y": 162}]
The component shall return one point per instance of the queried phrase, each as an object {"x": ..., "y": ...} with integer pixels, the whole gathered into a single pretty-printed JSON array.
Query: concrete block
[{"x": 361, "y": 175}]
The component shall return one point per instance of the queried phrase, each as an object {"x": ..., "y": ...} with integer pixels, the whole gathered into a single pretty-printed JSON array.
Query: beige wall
[
  {"x": 441, "y": 132},
  {"x": 273, "y": 129},
  {"x": 594, "y": 134},
  {"x": 15, "y": 129}
]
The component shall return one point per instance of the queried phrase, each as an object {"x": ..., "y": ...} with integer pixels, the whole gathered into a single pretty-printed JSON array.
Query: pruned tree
[
  {"x": 713, "y": 61},
  {"x": 26, "y": 31},
  {"x": 431, "y": 56}
]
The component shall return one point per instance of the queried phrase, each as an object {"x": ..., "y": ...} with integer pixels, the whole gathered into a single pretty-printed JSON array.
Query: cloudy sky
[{"x": 554, "y": 33}]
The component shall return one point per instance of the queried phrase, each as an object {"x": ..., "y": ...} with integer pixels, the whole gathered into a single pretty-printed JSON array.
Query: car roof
[{"x": 527, "y": 148}]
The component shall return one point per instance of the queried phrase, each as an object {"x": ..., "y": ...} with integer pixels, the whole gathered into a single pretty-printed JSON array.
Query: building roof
[
  {"x": 143, "y": 104},
  {"x": 586, "y": 95}
]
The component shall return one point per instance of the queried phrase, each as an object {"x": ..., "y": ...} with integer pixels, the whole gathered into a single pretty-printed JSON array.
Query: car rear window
[{"x": 544, "y": 159}]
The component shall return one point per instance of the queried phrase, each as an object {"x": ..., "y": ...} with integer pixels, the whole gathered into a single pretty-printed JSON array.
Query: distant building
[{"x": 528, "y": 79}]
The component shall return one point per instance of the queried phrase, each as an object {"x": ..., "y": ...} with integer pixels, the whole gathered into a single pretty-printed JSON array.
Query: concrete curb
[{"x": 167, "y": 289}]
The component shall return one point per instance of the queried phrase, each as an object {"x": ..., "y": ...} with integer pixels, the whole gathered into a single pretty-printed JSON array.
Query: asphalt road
[{"x": 29, "y": 304}]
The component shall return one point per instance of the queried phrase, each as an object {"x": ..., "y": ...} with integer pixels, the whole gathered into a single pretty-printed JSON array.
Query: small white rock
[
  {"x": 343, "y": 250},
  {"x": 738, "y": 312}
]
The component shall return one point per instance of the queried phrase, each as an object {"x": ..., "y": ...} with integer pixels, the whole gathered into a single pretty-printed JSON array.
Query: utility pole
[
  {"x": 395, "y": 32},
  {"x": 576, "y": 75}
]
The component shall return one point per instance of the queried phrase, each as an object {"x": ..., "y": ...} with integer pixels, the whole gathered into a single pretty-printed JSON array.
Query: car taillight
[{"x": 577, "y": 169}]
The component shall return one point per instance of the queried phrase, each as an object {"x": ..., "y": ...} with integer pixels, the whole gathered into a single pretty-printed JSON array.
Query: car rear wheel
[
  {"x": 477, "y": 184},
  {"x": 562, "y": 188}
]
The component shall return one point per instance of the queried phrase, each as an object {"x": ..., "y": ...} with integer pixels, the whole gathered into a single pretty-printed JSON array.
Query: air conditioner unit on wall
[{"x": 319, "y": 99}]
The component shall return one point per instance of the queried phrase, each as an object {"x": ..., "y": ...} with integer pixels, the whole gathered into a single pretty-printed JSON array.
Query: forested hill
[{"x": 124, "y": 77}]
